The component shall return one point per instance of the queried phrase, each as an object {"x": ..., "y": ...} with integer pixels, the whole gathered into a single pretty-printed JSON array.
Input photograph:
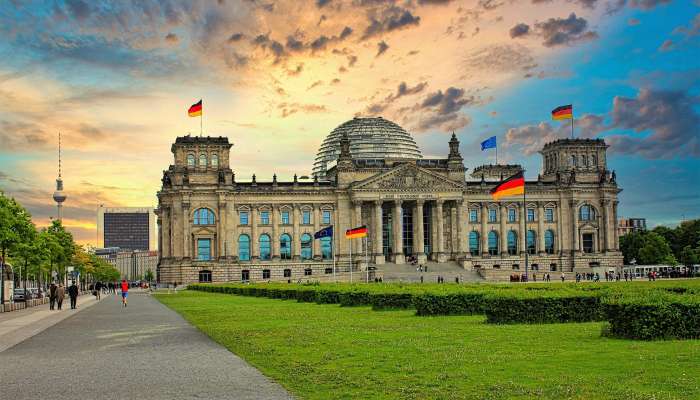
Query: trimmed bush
[
  {"x": 654, "y": 314},
  {"x": 465, "y": 303},
  {"x": 529, "y": 307},
  {"x": 354, "y": 297},
  {"x": 391, "y": 301}
]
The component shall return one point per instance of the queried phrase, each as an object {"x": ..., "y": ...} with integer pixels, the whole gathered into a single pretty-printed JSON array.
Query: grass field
[{"x": 328, "y": 351}]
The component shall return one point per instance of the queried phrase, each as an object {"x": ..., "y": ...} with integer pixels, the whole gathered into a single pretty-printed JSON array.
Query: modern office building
[
  {"x": 369, "y": 171},
  {"x": 128, "y": 228}
]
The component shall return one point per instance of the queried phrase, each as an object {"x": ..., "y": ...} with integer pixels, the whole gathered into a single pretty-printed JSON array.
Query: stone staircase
[{"x": 408, "y": 273}]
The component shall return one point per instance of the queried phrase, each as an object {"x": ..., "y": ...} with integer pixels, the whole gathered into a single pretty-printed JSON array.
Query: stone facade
[{"x": 213, "y": 227}]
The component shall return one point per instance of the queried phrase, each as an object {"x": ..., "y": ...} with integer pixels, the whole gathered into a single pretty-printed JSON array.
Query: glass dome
[{"x": 370, "y": 139}]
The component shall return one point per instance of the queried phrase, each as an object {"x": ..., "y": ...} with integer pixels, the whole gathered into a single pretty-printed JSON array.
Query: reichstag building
[{"x": 369, "y": 171}]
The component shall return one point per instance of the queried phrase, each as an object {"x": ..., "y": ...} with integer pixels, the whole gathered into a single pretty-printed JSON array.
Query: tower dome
[{"x": 370, "y": 138}]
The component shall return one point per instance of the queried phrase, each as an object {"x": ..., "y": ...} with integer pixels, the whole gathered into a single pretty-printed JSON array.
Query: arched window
[
  {"x": 493, "y": 243},
  {"x": 205, "y": 276},
  {"x": 587, "y": 213},
  {"x": 549, "y": 241},
  {"x": 512, "y": 243},
  {"x": 306, "y": 247},
  {"x": 214, "y": 160},
  {"x": 202, "y": 160},
  {"x": 326, "y": 250},
  {"x": 573, "y": 160},
  {"x": 285, "y": 247},
  {"x": 265, "y": 248},
  {"x": 203, "y": 216},
  {"x": 190, "y": 160},
  {"x": 594, "y": 160},
  {"x": 584, "y": 160},
  {"x": 531, "y": 242},
  {"x": 244, "y": 248},
  {"x": 474, "y": 243}
]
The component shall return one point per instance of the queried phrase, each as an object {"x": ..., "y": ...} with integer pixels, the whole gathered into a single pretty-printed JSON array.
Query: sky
[{"x": 116, "y": 79}]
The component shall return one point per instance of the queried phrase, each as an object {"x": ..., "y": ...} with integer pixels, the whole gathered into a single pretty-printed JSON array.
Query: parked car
[{"x": 18, "y": 295}]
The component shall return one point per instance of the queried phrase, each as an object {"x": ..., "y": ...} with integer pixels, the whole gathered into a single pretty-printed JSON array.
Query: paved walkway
[{"x": 143, "y": 351}]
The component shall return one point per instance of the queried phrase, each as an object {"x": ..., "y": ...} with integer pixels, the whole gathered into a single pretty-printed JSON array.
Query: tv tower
[{"x": 58, "y": 196}]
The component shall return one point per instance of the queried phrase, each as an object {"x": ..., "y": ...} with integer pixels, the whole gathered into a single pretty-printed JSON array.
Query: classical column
[
  {"x": 221, "y": 230},
  {"x": 560, "y": 229},
  {"x": 296, "y": 240},
  {"x": 377, "y": 245},
  {"x": 275, "y": 242},
  {"x": 317, "y": 227},
  {"x": 357, "y": 222},
  {"x": 574, "y": 225},
  {"x": 254, "y": 248},
  {"x": 503, "y": 234},
  {"x": 616, "y": 239},
  {"x": 166, "y": 218},
  {"x": 440, "y": 245},
  {"x": 606, "y": 223},
  {"x": 484, "y": 229},
  {"x": 522, "y": 234},
  {"x": 186, "y": 225},
  {"x": 418, "y": 233},
  {"x": 398, "y": 233},
  {"x": 540, "y": 227},
  {"x": 454, "y": 238}
]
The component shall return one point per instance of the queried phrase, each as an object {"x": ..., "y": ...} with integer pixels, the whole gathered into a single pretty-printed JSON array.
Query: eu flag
[
  {"x": 325, "y": 232},
  {"x": 489, "y": 143}
]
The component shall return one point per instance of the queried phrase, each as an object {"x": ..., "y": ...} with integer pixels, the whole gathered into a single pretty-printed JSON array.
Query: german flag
[
  {"x": 195, "y": 110},
  {"x": 356, "y": 232},
  {"x": 510, "y": 187},
  {"x": 563, "y": 112}
]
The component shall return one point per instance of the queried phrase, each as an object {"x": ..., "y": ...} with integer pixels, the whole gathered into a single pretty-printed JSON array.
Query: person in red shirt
[{"x": 125, "y": 291}]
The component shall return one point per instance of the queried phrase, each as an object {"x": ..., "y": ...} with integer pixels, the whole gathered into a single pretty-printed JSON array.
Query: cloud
[
  {"x": 381, "y": 48},
  {"x": 287, "y": 109},
  {"x": 647, "y": 4},
  {"x": 693, "y": 29},
  {"x": 171, "y": 38},
  {"x": 500, "y": 58},
  {"x": 236, "y": 37},
  {"x": 519, "y": 30},
  {"x": 564, "y": 31},
  {"x": 667, "y": 45},
  {"x": 440, "y": 110},
  {"x": 633, "y": 22},
  {"x": 402, "y": 90},
  {"x": 668, "y": 116},
  {"x": 388, "y": 20},
  {"x": 529, "y": 139},
  {"x": 322, "y": 3}
]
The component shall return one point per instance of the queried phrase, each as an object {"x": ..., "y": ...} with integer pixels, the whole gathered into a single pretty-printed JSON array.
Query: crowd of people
[{"x": 57, "y": 292}]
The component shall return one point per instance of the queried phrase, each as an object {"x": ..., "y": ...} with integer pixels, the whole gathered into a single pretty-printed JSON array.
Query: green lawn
[{"x": 328, "y": 351}]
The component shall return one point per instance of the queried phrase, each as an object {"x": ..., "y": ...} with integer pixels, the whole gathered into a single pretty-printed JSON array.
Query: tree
[
  {"x": 148, "y": 275},
  {"x": 15, "y": 228},
  {"x": 630, "y": 245},
  {"x": 690, "y": 256},
  {"x": 655, "y": 249}
]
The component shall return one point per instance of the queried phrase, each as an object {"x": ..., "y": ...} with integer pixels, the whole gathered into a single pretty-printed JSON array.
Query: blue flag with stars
[
  {"x": 489, "y": 143},
  {"x": 325, "y": 232}
]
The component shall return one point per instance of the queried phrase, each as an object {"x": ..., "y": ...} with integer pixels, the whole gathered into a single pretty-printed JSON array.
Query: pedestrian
[
  {"x": 563, "y": 277},
  {"x": 73, "y": 293},
  {"x": 60, "y": 294},
  {"x": 125, "y": 291},
  {"x": 425, "y": 268},
  {"x": 98, "y": 290},
  {"x": 52, "y": 295}
]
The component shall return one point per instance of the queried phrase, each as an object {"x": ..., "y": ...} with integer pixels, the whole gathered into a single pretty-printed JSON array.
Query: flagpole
[
  {"x": 572, "y": 125},
  {"x": 525, "y": 216},
  {"x": 333, "y": 250},
  {"x": 350, "y": 248},
  {"x": 366, "y": 262},
  {"x": 201, "y": 124},
  {"x": 496, "y": 152}
]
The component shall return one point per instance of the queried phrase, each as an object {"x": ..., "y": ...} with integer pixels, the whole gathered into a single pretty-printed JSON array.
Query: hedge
[
  {"x": 544, "y": 307},
  {"x": 654, "y": 314},
  {"x": 465, "y": 303}
]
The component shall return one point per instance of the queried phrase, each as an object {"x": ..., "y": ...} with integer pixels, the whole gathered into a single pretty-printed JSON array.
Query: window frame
[
  {"x": 241, "y": 219},
  {"x": 209, "y": 254},
  {"x": 264, "y": 217},
  {"x": 286, "y": 254},
  {"x": 247, "y": 250},
  {"x": 265, "y": 247}
]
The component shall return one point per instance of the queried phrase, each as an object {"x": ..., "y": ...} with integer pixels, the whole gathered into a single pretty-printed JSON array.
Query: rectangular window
[
  {"x": 243, "y": 218},
  {"x": 287, "y": 273},
  {"x": 587, "y": 243},
  {"x": 285, "y": 217},
  {"x": 473, "y": 215},
  {"x": 530, "y": 214},
  {"x": 308, "y": 271},
  {"x": 549, "y": 215},
  {"x": 306, "y": 217},
  {"x": 326, "y": 217},
  {"x": 511, "y": 214},
  {"x": 266, "y": 274},
  {"x": 204, "y": 249},
  {"x": 265, "y": 217},
  {"x": 492, "y": 214}
]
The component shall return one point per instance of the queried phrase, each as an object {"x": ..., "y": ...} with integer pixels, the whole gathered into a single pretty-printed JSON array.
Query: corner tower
[{"x": 574, "y": 160}]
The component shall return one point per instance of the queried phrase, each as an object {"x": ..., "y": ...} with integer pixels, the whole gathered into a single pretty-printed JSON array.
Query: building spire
[{"x": 58, "y": 196}]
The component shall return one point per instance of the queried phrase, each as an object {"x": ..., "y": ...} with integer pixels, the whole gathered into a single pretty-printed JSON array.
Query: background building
[
  {"x": 132, "y": 265},
  {"x": 627, "y": 225},
  {"x": 128, "y": 228},
  {"x": 369, "y": 172}
]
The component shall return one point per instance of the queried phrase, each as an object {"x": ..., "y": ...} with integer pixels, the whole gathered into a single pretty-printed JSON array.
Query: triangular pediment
[{"x": 408, "y": 177}]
